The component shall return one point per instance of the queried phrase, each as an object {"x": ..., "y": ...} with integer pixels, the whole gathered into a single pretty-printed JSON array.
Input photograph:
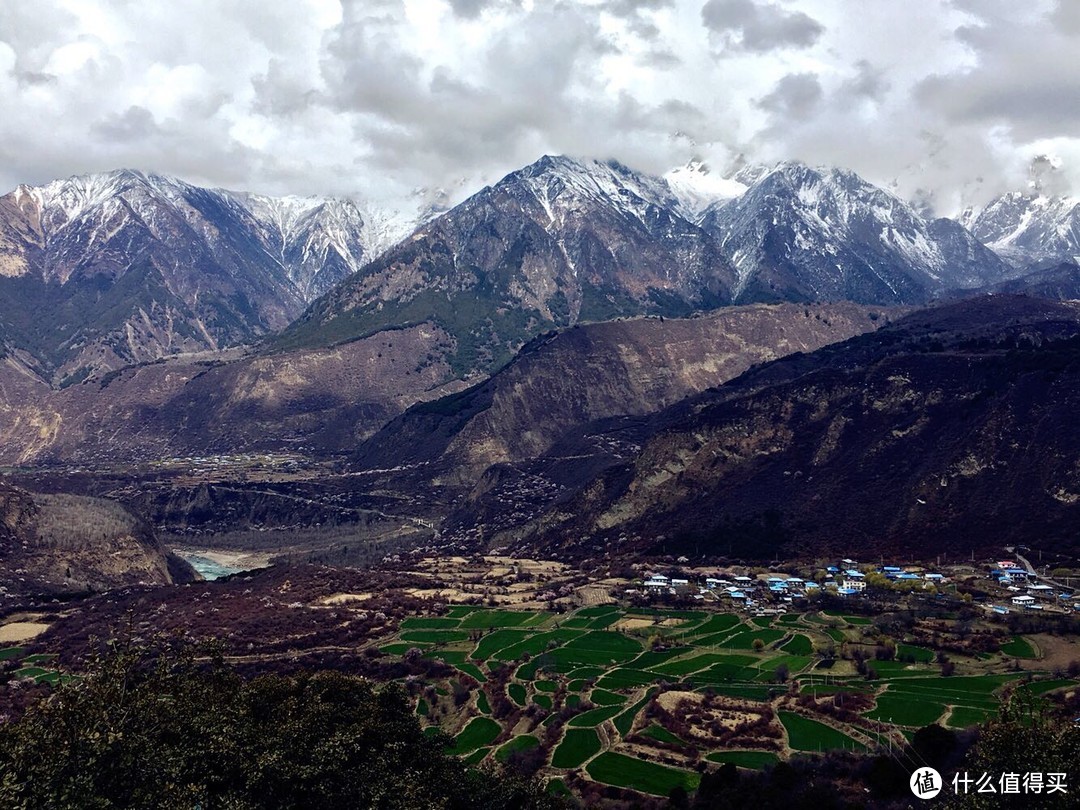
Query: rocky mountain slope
[
  {"x": 105, "y": 270},
  {"x": 947, "y": 430},
  {"x": 53, "y": 544},
  {"x": 565, "y": 241},
  {"x": 572, "y": 377},
  {"x": 557, "y": 243},
  {"x": 806, "y": 234},
  {"x": 1027, "y": 228},
  {"x": 309, "y": 402}
]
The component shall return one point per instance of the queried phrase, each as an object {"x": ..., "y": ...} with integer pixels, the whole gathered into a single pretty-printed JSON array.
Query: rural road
[{"x": 1033, "y": 573}]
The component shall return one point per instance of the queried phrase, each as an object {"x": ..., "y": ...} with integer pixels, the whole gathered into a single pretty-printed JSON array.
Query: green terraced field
[
  {"x": 687, "y": 665},
  {"x": 602, "y": 697},
  {"x": 1019, "y": 647},
  {"x": 965, "y": 716},
  {"x": 517, "y": 693},
  {"x": 594, "y": 717},
  {"x": 486, "y": 619},
  {"x": 755, "y": 760},
  {"x": 920, "y": 654},
  {"x": 626, "y": 679},
  {"x": 663, "y": 735},
  {"x": 578, "y": 744},
  {"x": 625, "y": 721},
  {"x": 480, "y": 731},
  {"x": 535, "y": 644},
  {"x": 646, "y": 777},
  {"x": 745, "y": 640},
  {"x": 579, "y": 652},
  {"x": 429, "y": 623},
  {"x": 1042, "y": 687},
  {"x": 497, "y": 640},
  {"x": 718, "y": 623},
  {"x": 435, "y": 636},
  {"x": 805, "y": 734},
  {"x": 524, "y": 742},
  {"x": 799, "y": 645},
  {"x": 903, "y": 710}
]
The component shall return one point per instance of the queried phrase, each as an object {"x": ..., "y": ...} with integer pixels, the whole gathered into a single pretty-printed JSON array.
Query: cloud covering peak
[{"x": 947, "y": 100}]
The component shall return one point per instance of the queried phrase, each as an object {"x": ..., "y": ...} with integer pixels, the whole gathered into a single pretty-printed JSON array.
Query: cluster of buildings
[
  {"x": 1027, "y": 592},
  {"x": 845, "y": 579}
]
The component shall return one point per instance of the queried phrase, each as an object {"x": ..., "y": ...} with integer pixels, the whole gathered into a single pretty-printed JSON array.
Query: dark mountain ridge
[{"x": 945, "y": 431}]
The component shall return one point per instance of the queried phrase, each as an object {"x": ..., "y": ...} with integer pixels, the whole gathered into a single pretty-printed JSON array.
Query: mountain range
[
  {"x": 102, "y": 271},
  {"x": 141, "y": 316},
  {"x": 943, "y": 431}
]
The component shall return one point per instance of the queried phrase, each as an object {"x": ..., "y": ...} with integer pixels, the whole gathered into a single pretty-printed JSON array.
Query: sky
[{"x": 946, "y": 101}]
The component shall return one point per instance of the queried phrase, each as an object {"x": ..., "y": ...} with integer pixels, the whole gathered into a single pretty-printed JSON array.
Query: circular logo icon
[{"x": 925, "y": 783}]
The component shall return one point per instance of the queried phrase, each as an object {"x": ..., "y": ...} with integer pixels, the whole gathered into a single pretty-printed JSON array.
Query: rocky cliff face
[
  {"x": 945, "y": 431},
  {"x": 53, "y": 544}
]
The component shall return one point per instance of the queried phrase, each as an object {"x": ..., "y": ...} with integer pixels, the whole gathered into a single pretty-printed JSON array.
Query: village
[{"x": 1006, "y": 584}]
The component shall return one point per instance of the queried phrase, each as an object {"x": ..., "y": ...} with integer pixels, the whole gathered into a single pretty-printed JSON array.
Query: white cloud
[{"x": 951, "y": 98}]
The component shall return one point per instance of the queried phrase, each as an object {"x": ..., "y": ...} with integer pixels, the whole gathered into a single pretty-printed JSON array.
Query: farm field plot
[
  {"x": 636, "y": 774},
  {"x": 625, "y": 678},
  {"x": 479, "y": 732},
  {"x": 594, "y": 717},
  {"x": 1035, "y": 687},
  {"x": 965, "y": 716},
  {"x": 578, "y": 744},
  {"x": 660, "y": 733},
  {"x": 435, "y": 636},
  {"x": 687, "y": 665},
  {"x": 805, "y": 734},
  {"x": 625, "y": 721},
  {"x": 602, "y": 697},
  {"x": 715, "y": 624},
  {"x": 745, "y": 759},
  {"x": 429, "y": 623},
  {"x": 1018, "y": 647},
  {"x": 580, "y": 687},
  {"x": 525, "y": 742},
  {"x": 905, "y": 710},
  {"x": 535, "y": 644},
  {"x": 745, "y": 640},
  {"x": 487, "y": 619},
  {"x": 799, "y": 645}
]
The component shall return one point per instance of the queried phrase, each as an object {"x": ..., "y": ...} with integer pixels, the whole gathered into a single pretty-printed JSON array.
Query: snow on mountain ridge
[
  {"x": 696, "y": 187},
  {"x": 1027, "y": 227}
]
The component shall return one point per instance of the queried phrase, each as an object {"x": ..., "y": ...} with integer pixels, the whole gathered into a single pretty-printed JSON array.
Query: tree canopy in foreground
[{"x": 156, "y": 729}]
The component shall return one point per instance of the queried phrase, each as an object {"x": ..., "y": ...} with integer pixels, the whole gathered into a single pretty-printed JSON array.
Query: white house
[{"x": 1023, "y": 600}]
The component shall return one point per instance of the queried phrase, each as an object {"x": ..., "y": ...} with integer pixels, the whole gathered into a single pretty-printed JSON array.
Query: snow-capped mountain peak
[
  {"x": 1025, "y": 228},
  {"x": 696, "y": 186}
]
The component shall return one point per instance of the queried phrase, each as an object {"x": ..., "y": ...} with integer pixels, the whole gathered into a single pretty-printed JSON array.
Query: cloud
[
  {"x": 795, "y": 97},
  {"x": 758, "y": 26},
  {"x": 947, "y": 99}
]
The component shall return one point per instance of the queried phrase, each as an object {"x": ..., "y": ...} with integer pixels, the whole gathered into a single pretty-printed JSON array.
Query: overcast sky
[{"x": 949, "y": 98}]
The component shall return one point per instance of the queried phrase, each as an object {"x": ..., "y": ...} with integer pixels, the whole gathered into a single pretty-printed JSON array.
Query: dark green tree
[{"x": 161, "y": 729}]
